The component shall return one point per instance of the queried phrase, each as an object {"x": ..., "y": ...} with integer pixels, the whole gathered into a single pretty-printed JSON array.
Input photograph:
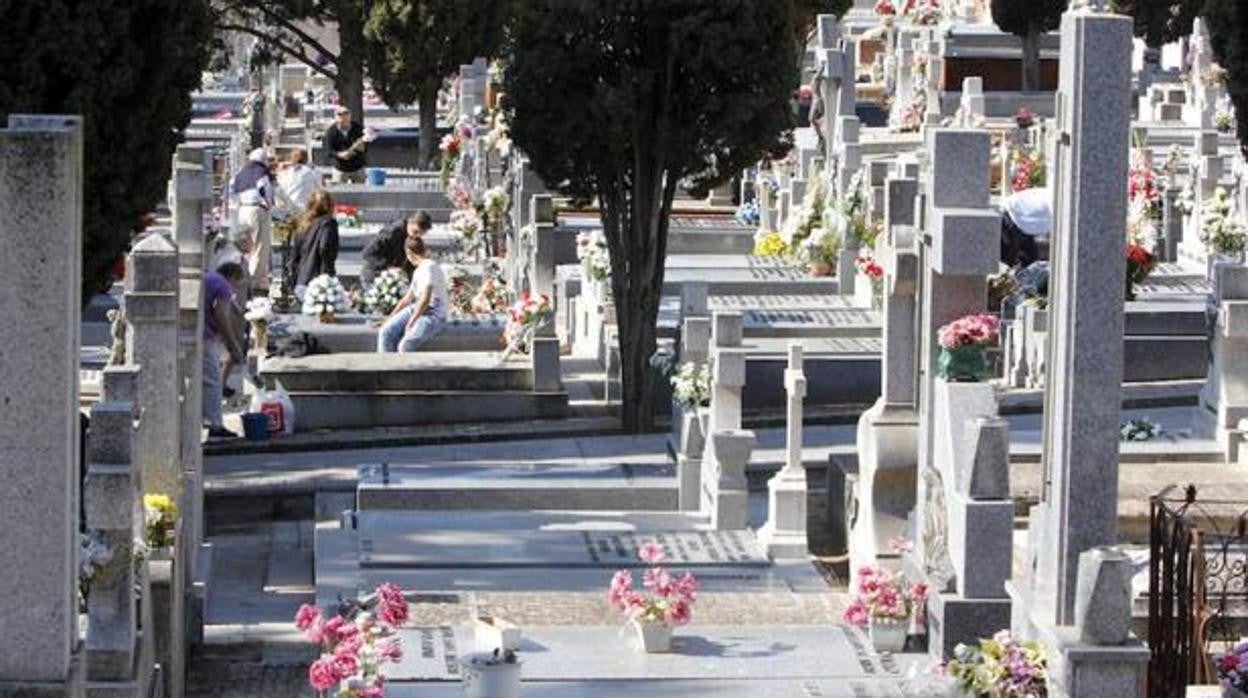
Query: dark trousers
[{"x": 1018, "y": 249}]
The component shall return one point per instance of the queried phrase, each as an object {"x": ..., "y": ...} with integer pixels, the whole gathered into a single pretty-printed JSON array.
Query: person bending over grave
[
  {"x": 297, "y": 180},
  {"x": 315, "y": 244},
  {"x": 221, "y": 287},
  {"x": 1025, "y": 216},
  {"x": 344, "y": 139},
  {"x": 234, "y": 247},
  {"x": 421, "y": 314},
  {"x": 386, "y": 251},
  {"x": 255, "y": 191}
]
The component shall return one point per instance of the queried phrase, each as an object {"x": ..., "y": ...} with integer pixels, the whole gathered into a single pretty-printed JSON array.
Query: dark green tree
[
  {"x": 806, "y": 14},
  {"x": 413, "y": 45},
  {"x": 625, "y": 100},
  {"x": 285, "y": 27},
  {"x": 129, "y": 69},
  {"x": 1228, "y": 31},
  {"x": 1159, "y": 22},
  {"x": 1028, "y": 19}
]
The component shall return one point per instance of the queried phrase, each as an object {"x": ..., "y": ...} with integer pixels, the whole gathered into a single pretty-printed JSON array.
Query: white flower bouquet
[
  {"x": 259, "y": 311},
  {"x": 595, "y": 258},
  {"x": 324, "y": 296},
  {"x": 691, "y": 384},
  {"x": 385, "y": 292},
  {"x": 1141, "y": 429}
]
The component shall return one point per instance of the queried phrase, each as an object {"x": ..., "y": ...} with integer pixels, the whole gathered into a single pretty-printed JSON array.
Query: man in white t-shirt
[
  {"x": 1025, "y": 216},
  {"x": 421, "y": 314}
]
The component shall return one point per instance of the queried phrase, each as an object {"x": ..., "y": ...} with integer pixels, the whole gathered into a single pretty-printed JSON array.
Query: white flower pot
[
  {"x": 483, "y": 680},
  {"x": 653, "y": 636},
  {"x": 888, "y": 635}
]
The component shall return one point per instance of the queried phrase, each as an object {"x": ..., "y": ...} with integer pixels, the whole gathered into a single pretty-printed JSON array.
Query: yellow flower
[
  {"x": 161, "y": 503},
  {"x": 770, "y": 245}
]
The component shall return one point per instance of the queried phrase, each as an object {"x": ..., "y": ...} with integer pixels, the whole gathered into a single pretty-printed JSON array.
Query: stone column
[
  {"x": 152, "y": 343},
  {"x": 724, "y": 489},
  {"x": 1079, "y": 510},
  {"x": 542, "y": 274},
  {"x": 784, "y": 533},
  {"x": 1226, "y": 391},
  {"x": 40, "y": 206}
]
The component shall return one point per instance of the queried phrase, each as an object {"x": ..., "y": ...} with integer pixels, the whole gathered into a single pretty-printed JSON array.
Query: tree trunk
[
  {"x": 1031, "y": 60},
  {"x": 350, "y": 81},
  {"x": 428, "y": 126}
]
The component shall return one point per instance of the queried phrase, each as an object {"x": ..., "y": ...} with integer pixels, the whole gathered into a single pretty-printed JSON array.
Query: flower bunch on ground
[
  {"x": 666, "y": 599},
  {"x": 160, "y": 516},
  {"x": 1140, "y": 429},
  {"x": 324, "y": 295},
  {"x": 592, "y": 252},
  {"x": 691, "y": 384},
  {"x": 769, "y": 244},
  {"x": 386, "y": 291},
  {"x": 883, "y": 594},
  {"x": 1001, "y": 666},
  {"x": 347, "y": 215},
  {"x": 970, "y": 330},
  {"x": 355, "y": 649}
]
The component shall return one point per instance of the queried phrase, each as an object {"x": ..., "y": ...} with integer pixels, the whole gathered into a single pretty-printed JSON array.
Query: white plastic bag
[{"x": 277, "y": 405}]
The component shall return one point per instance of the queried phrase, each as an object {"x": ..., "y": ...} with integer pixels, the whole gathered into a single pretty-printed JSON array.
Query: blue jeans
[{"x": 394, "y": 336}]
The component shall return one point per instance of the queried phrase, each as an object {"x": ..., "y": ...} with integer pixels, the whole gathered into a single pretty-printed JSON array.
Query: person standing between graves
[
  {"x": 345, "y": 142},
  {"x": 255, "y": 191},
  {"x": 1025, "y": 216},
  {"x": 221, "y": 287},
  {"x": 315, "y": 245},
  {"x": 386, "y": 251},
  {"x": 421, "y": 314},
  {"x": 297, "y": 180}
]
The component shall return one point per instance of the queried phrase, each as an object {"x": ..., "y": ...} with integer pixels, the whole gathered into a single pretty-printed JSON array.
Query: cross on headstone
[
  {"x": 784, "y": 533},
  {"x": 728, "y": 446}
]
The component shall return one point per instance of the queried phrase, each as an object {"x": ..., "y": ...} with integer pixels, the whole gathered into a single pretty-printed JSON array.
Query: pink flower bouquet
[
  {"x": 883, "y": 595},
  {"x": 355, "y": 649},
  {"x": 525, "y": 316},
  {"x": 963, "y": 347},
  {"x": 665, "y": 599}
]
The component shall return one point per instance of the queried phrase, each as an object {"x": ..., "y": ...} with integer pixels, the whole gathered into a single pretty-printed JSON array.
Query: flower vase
[
  {"x": 261, "y": 337},
  {"x": 820, "y": 269},
  {"x": 888, "y": 634},
  {"x": 484, "y": 677},
  {"x": 967, "y": 363},
  {"x": 326, "y": 317},
  {"x": 653, "y": 636}
]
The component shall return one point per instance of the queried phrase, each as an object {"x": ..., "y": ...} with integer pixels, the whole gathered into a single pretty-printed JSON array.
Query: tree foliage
[
  {"x": 624, "y": 100},
  {"x": 282, "y": 27},
  {"x": 413, "y": 45},
  {"x": 1159, "y": 22},
  {"x": 1228, "y": 32},
  {"x": 1028, "y": 19},
  {"x": 806, "y": 14},
  {"x": 129, "y": 70}
]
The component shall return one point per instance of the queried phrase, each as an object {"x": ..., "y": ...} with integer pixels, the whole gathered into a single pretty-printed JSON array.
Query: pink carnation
[
  {"x": 392, "y": 606},
  {"x": 678, "y": 614},
  {"x": 651, "y": 552},
  {"x": 345, "y": 665},
  {"x": 658, "y": 580},
  {"x": 349, "y": 646},
  {"x": 857, "y": 614},
  {"x": 687, "y": 587},
  {"x": 322, "y": 675},
  {"x": 373, "y": 690},
  {"x": 391, "y": 650},
  {"x": 307, "y": 616}
]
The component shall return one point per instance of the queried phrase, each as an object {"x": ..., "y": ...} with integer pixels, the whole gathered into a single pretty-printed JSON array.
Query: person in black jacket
[
  {"x": 315, "y": 245},
  {"x": 386, "y": 250},
  {"x": 344, "y": 140}
]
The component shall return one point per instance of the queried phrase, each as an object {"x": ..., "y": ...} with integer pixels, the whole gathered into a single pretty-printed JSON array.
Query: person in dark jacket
[
  {"x": 344, "y": 139},
  {"x": 386, "y": 251},
  {"x": 315, "y": 245}
]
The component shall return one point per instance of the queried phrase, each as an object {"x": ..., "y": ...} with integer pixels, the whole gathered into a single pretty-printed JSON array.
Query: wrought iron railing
[{"x": 1198, "y": 587}]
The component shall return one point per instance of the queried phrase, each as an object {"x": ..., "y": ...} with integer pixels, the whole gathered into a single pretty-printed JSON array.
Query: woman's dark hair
[
  {"x": 232, "y": 271},
  {"x": 422, "y": 218},
  {"x": 415, "y": 245}
]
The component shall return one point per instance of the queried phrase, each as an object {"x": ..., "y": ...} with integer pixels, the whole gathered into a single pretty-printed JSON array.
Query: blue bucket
[
  {"x": 376, "y": 176},
  {"x": 256, "y": 426}
]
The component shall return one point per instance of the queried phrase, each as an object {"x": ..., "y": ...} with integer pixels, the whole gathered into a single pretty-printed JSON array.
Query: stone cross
[
  {"x": 112, "y": 494},
  {"x": 40, "y": 190},
  {"x": 724, "y": 489},
  {"x": 784, "y": 533}
]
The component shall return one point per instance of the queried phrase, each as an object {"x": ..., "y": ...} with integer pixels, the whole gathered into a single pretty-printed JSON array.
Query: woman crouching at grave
[
  {"x": 421, "y": 314},
  {"x": 314, "y": 249}
]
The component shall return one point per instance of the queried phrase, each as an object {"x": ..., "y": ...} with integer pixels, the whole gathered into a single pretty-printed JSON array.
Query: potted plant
[
  {"x": 666, "y": 603},
  {"x": 884, "y": 603},
  {"x": 324, "y": 297},
  {"x": 1000, "y": 666},
  {"x": 1140, "y": 263},
  {"x": 356, "y": 644},
  {"x": 493, "y": 674},
  {"x": 1233, "y": 671},
  {"x": 964, "y": 347}
]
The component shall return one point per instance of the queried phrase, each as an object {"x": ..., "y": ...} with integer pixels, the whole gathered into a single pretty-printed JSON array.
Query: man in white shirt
[
  {"x": 297, "y": 181},
  {"x": 255, "y": 191},
  {"x": 1025, "y": 216}
]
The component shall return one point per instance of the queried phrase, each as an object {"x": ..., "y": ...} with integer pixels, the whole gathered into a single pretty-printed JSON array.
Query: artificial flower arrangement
[
  {"x": 385, "y": 292},
  {"x": 490, "y": 298},
  {"x": 450, "y": 148},
  {"x": 748, "y": 213},
  {"x": 528, "y": 313},
  {"x": 347, "y": 215},
  {"x": 1221, "y": 234},
  {"x": 1140, "y": 263},
  {"x": 498, "y": 138},
  {"x": 1028, "y": 168},
  {"x": 466, "y": 223},
  {"x": 1140, "y": 429},
  {"x": 769, "y": 244},
  {"x": 883, "y": 602},
  {"x": 355, "y": 647},
  {"x": 260, "y": 314},
  {"x": 867, "y": 265},
  {"x": 911, "y": 118},
  {"x": 494, "y": 202},
  {"x": 1024, "y": 118},
  {"x": 460, "y": 195},
  {"x": 1233, "y": 670},
  {"x": 921, "y": 12},
  {"x": 324, "y": 297},
  {"x": 460, "y": 292},
  {"x": 691, "y": 385},
  {"x": 1000, "y": 666},
  {"x": 160, "y": 516},
  {"x": 593, "y": 254},
  {"x": 1224, "y": 121},
  {"x": 885, "y": 9},
  {"x": 666, "y": 602},
  {"x": 963, "y": 346}
]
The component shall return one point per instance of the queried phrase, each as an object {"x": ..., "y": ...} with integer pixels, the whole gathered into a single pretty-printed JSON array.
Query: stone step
[
  {"x": 518, "y": 486},
  {"x": 1166, "y": 317},
  {"x": 364, "y": 409},
  {"x": 554, "y": 538},
  {"x": 355, "y": 333},
  {"x": 398, "y": 373}
]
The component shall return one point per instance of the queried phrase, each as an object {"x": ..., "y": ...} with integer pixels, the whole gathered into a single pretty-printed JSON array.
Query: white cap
[
  {"x": 1031, "y": 210},
  {"x": 258, "y": 155}
]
